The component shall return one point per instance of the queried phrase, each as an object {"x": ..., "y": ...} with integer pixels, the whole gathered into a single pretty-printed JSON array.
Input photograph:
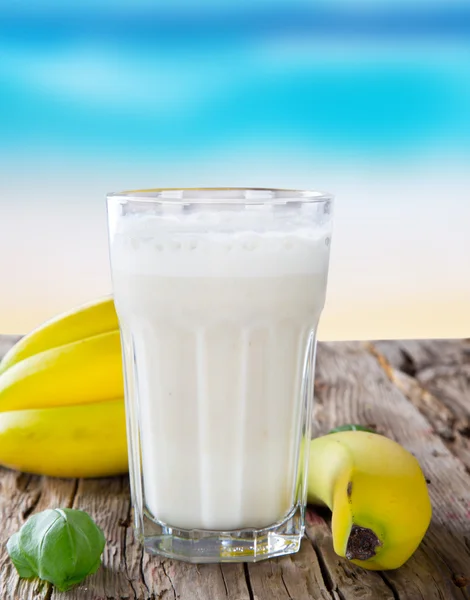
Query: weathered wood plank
[
  {"x": 300, "y": 576},
  {"x": 442, "y": 367},
  {"x": 22, "y": 495},
  {"x": 421, "y": 354},
  {"x": 107, "y": 502},
  {"x": 353, "y": 385},
  {"x": 439, "y": 390},
  {"x": 341, "y": 577}
]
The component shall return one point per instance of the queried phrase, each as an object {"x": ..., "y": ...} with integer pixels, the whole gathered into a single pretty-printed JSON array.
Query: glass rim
[{"x": 222, "y": 195}]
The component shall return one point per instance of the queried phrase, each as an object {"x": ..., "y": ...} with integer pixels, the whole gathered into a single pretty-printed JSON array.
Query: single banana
[
  {"x": 85, "y": 371},
  {"x": 377, "y": 494},
  {"x": 85, "y": 321},
  {"x": 71, "y": 441}
]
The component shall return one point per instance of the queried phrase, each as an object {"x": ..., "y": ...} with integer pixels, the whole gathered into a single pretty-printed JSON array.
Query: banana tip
[{"x": 362, "y": 543}]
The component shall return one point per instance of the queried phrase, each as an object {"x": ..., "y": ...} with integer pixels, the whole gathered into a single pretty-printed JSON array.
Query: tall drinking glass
[{"x": 218, "y": 294}]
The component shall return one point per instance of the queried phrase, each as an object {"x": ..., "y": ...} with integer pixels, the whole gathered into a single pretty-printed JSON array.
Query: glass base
[{"x": 244, "y": 545}]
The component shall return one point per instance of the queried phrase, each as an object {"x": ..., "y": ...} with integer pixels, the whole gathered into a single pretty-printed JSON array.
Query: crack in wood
[
  {"x": 246, "y": 571},
  {"x": 25, "y": 514},
  {"x": 408, "y": 365},
  {"x": 141, "y": 568},
  {"x": 73, "y": 494},
  {"x": 175, "y": 596},
  {"x": 325, "y": 573},
  {"x": 223, "y": 579},
  {"x": 48, "y": 594},
  {"x": 22, "y": 483},
  {"x": 124, "y": 551},
  {"x": 285, "y": 586},
  {"x": 332, "y": 589},
  {"x": 390, "y": 585}
]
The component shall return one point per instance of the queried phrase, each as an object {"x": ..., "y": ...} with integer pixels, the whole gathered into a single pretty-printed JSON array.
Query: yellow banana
[
  {"x": 85, "y": 371},
  {"x": 71, "y": 441},
  {"x": 377, "y": 494},
  {"x": 82, "y": 322}
]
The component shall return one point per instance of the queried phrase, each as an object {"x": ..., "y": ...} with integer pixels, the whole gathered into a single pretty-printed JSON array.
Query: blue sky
[
  {"x": 93, "y": 5},
  {"x": 83, "y": 87},
  {"x": 339, "y": 81}
]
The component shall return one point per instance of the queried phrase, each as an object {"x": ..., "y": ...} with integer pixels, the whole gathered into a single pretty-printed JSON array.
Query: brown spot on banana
[{"x": 362, "y": 543}]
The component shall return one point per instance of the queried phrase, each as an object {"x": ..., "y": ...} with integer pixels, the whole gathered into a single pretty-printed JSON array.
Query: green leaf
[
  {"x": 351, "y": 428},
  {"x": 62, "y": 546},
  {"x": 21, "y": 564}
]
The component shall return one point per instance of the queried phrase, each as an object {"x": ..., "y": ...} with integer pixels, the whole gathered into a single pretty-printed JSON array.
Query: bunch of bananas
[{"x": 61, "y": 397}]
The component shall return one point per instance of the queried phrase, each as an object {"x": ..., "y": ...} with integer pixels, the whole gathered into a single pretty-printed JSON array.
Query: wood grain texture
[
  {"x": 442, "y": 367},
  {"x": 435, "y": 376},
  {"x": 414, "y": 392},
  {"x": 353, "y": 386}
]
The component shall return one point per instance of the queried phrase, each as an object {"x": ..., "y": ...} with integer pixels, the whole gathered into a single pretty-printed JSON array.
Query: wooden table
[{"x": 415, "y": 392}]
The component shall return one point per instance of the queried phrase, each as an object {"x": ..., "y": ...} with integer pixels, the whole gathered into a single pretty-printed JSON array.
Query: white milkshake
[{"x": 219, "y": 326}]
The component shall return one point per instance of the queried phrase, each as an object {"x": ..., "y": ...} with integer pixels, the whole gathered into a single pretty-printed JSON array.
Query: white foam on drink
[{"x": 219, "y": 245}]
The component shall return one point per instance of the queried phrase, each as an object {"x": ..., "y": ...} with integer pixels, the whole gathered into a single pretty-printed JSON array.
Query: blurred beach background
[{"x": 368, "y": 100}]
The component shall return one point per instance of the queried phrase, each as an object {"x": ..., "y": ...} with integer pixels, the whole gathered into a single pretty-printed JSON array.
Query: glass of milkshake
[{"x": 218, "y": 294}]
